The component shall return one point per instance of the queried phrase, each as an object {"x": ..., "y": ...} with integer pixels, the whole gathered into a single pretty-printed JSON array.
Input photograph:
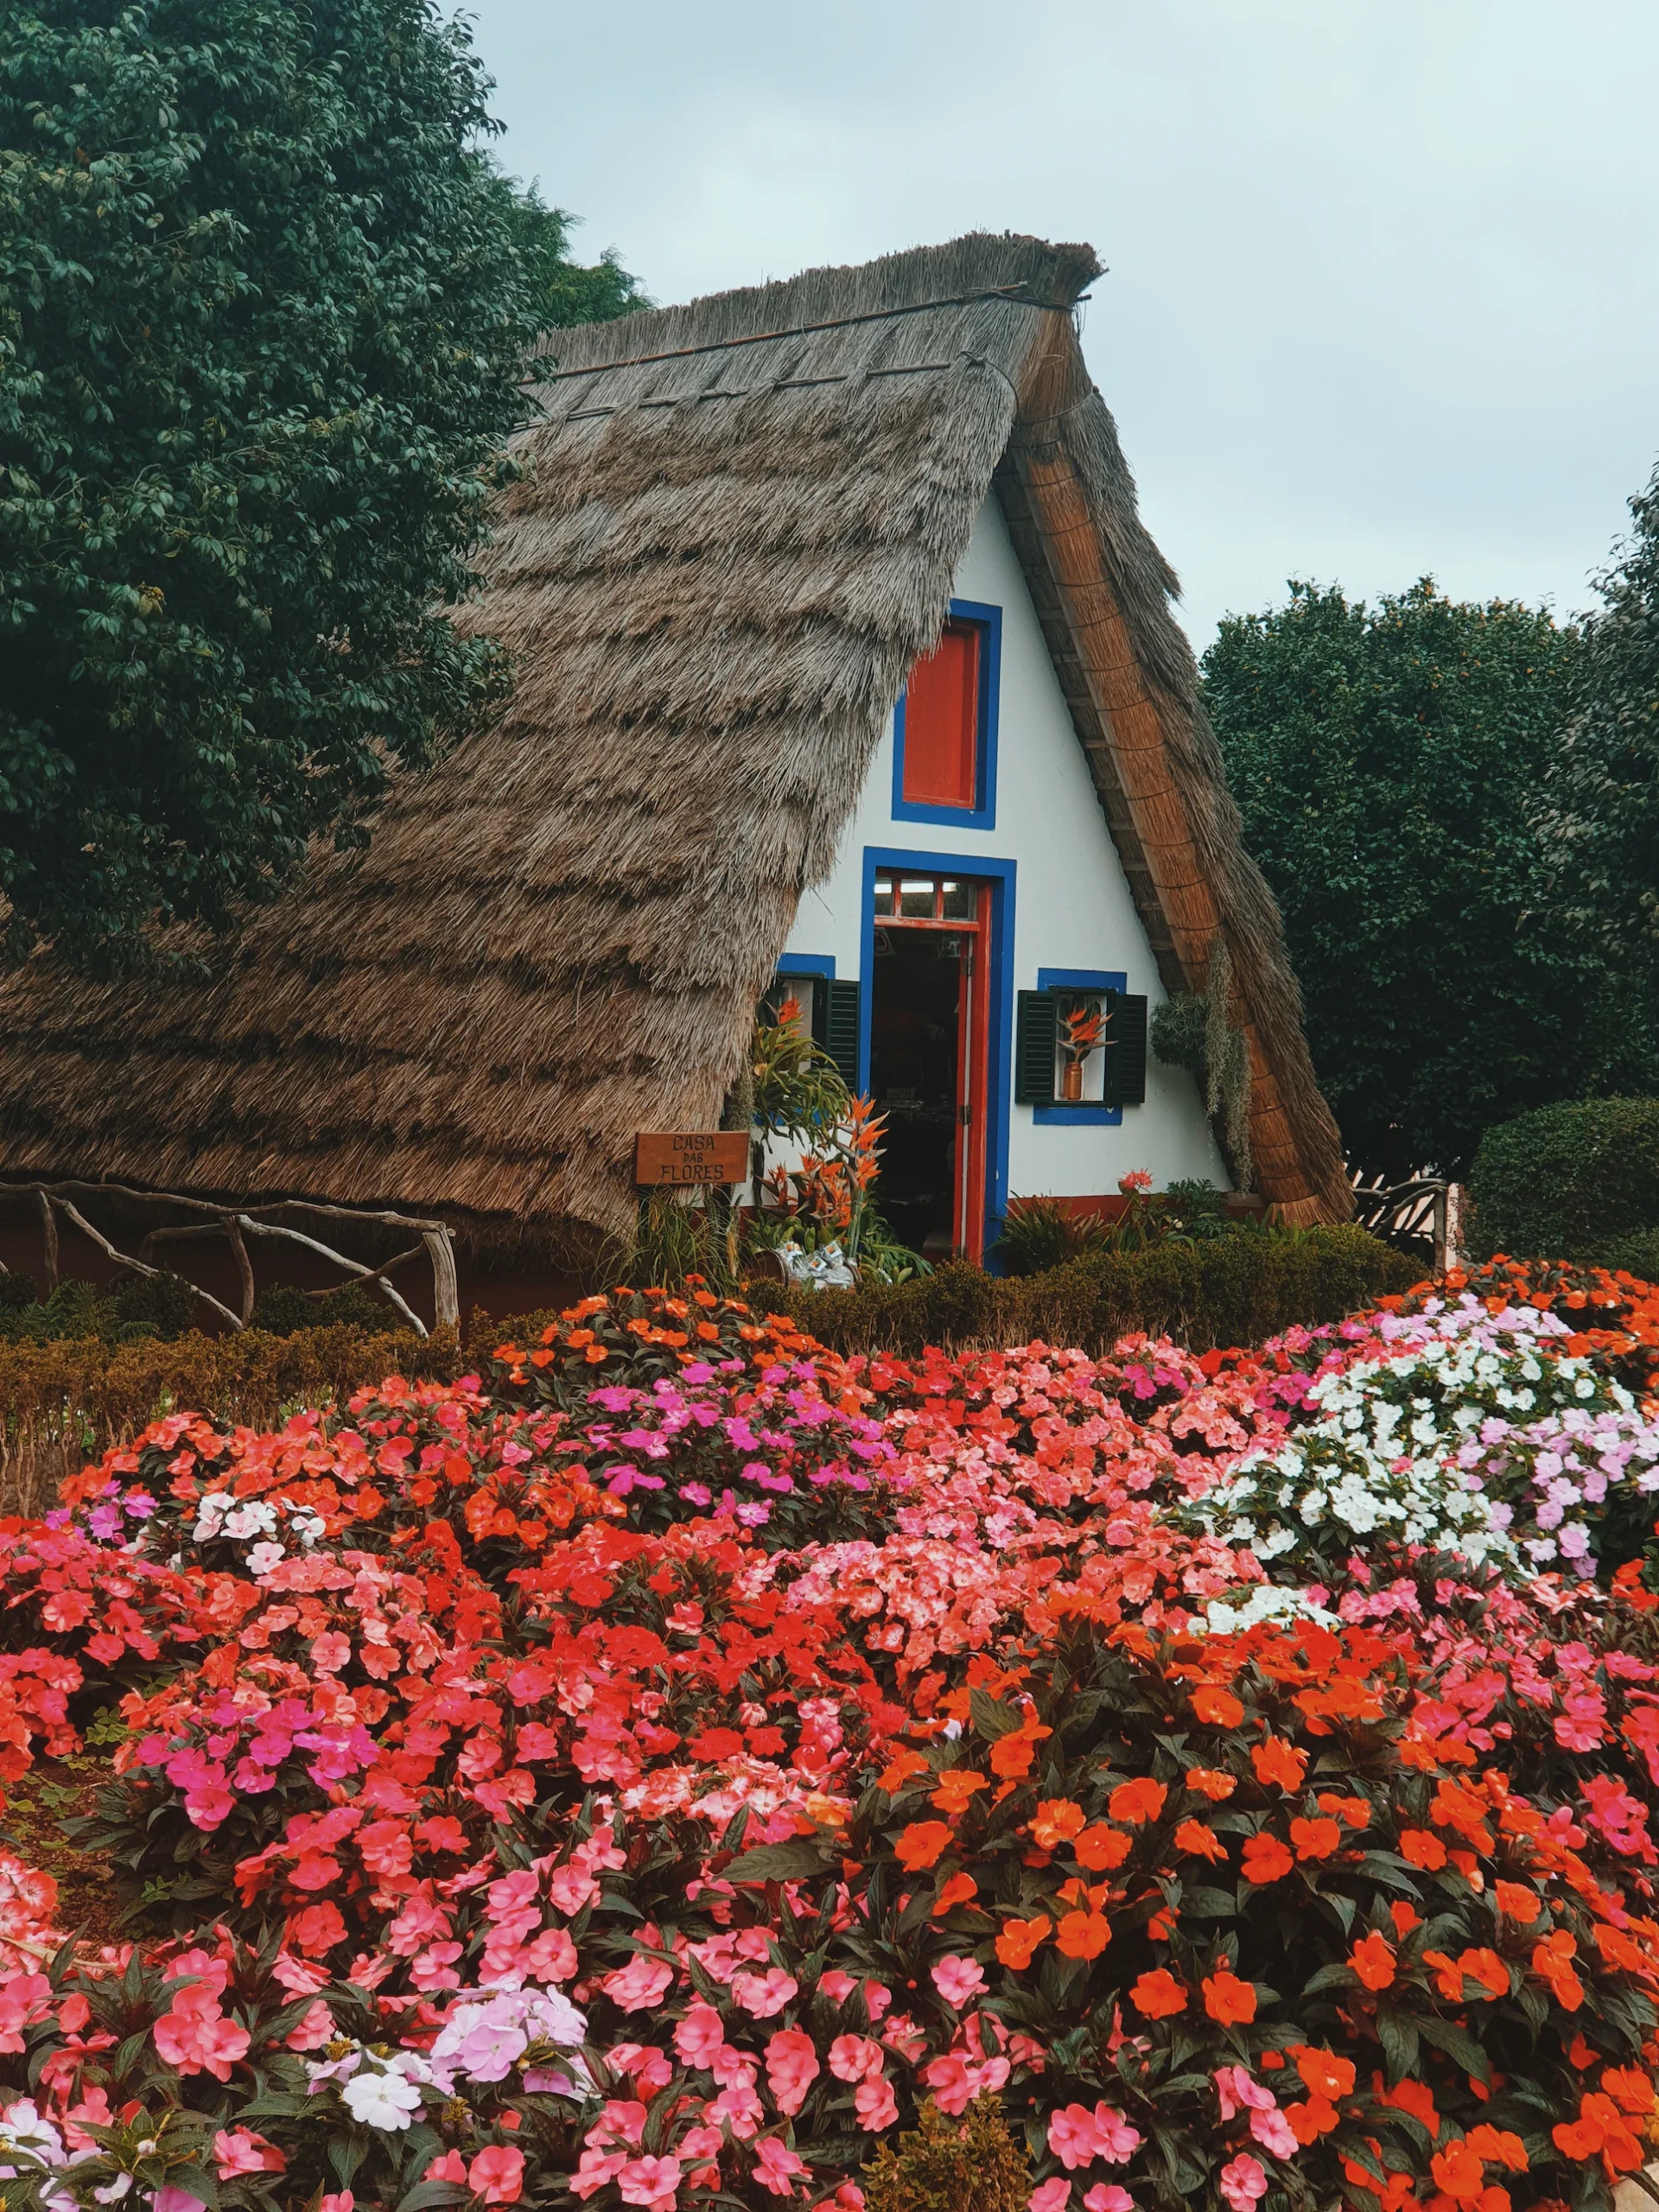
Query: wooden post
[
  {"x": 49, "y": 1236},
  {"x": 446, "y": 1296},
  {"x": 243, "y": 1266}
]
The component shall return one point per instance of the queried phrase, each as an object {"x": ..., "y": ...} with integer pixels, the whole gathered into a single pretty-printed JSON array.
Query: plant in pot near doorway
[
  {"x": 818, "y": 1220},
  {"x": 1082, "y": 1031}
]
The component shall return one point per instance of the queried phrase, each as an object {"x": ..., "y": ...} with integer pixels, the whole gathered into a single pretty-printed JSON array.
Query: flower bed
[{"x": 671, "y": 1767}]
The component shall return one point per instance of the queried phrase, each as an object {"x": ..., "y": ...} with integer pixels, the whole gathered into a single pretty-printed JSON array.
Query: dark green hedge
[
  {"x": 1576, "y": 1181},
  {"x": 1235, "y": 1290}
]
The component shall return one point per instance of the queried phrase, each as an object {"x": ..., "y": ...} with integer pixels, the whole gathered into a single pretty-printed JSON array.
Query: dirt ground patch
[{"x": 52, "y": 1792}]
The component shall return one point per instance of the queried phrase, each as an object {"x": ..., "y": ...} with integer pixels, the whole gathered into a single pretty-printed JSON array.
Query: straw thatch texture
[{"x": 714, "y": 582}]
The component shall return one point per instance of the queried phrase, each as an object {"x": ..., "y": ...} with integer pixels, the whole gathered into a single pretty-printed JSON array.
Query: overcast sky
[{"x": 1382, "y": 295}]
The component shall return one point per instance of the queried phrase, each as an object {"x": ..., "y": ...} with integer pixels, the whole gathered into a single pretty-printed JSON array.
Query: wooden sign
[{"x": 694, "y": 1156}]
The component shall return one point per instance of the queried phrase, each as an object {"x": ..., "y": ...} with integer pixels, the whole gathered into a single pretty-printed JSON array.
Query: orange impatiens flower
[
  {"x": 1551, "y": 1962},
  {"x": 1458, "y": 2172},
  {"x": 1629, "y": 2087},
  {"x": 1323, "y": 2074},
  {"x": 1211, "y": 1783},
  {"x": 1265, "y": 1860},
  {"x": 1372, "y": 1960},
  {"x": 1498, "y": 2147},
  {"x": 923, "y": 1844},
  {"x": 1422, "y": 1849},
  {"x": 1488, "y": 1970},
  {"x": 1448, "y": 1975},
  {"x": 1310, "y": 2118},
  {"x": 1219, "y": 1707},
  {"x": 1137, "y": 1801},
  {"x": 1199, "y": 1842},
  {"x": 1228, "y": 2001},
  {"x": 1278, "y": 1761},
  {"x": 1099, "y": 1848},
  {"x": 1316, "y": 1839},
  {"x": 1082, "y": 1935},
  {"x": 1159, "y": 1995},
  {"x": 1012, "y": 1755},
  {"x": 1356, "y": 1812},
  {"x": 1515, "y": 1901},
  {"x": 1019, "y": 1939},
  {"x": 1418, "y": 2099},
  {"x": 1057, "y": 1820},
  {"x": 957, "y": 1786},
  {"x": 956, "y": 1891}
]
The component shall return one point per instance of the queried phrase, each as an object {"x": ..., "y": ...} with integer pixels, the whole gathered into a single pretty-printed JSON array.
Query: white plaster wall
[{"x": 1072, "y": 904}]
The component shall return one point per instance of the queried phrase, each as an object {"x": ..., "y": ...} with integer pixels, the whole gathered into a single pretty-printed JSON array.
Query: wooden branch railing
[
  {"x": 236, "y": 1225},
  {"x": 1422, "y": 1211}
]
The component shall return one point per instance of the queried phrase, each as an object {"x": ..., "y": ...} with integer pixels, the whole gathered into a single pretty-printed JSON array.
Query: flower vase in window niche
[{"x": 1083, "y": 1026}]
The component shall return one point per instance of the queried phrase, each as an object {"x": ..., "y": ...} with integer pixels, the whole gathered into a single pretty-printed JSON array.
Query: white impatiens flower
[
  {"x": 1461, "y": 1431},
  {"x": 384, "y": 2100}
]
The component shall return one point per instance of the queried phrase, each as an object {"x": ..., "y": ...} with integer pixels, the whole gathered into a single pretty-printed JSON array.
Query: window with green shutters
[{"x": 1037, "y": 1045}]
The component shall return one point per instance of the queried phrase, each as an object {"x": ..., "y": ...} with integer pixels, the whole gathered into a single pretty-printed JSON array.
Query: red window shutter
[{"x": 942, "y": 722}]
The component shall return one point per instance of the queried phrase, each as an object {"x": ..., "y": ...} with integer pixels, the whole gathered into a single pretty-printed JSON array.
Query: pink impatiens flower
[
  {"x": 241, "y": 2151},
  {"x": 792, "y": 2068},
  {"x": 875, "y": 2105},
  {"x": 1078, "y": 2137},
  {"x": 763, "y": 1995},
  {"x": 649, "y": 2182},
  {"x": 497, "y": 2176},
  {"x": 640, "y": 1984},
  {"x": 1051, "y": 2196},
  {"x": 1107, "y": 2196},
  {"x": 1244, "y": 2183},
  {"x": 699, "y": 2034},
  {"x": 958, "y": 1981},
  {"x": 776, "y": 2166},
  {"x": 197, "y": 2038},
  {"x": 855, "y": 2058}
]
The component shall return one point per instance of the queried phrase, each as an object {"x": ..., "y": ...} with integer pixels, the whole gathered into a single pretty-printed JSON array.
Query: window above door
[{"x": 946, "y": 724}]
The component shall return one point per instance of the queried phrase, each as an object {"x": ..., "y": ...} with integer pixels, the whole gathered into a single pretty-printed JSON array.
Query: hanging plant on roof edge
[{"x": 1195, "y": 1030}]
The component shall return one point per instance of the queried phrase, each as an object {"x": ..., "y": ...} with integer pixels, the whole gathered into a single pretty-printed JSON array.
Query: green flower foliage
[
  {"x": 262, "y": 318},
  {"x": 1386, "y": 760}
]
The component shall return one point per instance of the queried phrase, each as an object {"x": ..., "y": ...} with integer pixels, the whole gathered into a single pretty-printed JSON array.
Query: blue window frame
[
  {"x": 1081, "y": 979},
  {"x": 807, "y": 963},
  {"x": 999, "y": 1004},
  {"x": 987, "y": 620}
]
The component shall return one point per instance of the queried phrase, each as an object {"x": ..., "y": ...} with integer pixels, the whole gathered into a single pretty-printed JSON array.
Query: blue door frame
[{"x": 999, "y": 1000}]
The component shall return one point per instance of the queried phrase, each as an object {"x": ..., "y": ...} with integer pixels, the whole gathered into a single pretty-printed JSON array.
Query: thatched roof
[{"x": 742, "y": 525}]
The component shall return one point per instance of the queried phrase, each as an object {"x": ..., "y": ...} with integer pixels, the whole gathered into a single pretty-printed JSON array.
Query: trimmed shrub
[
  {"x": 1568, "y": 1182},
  {"x": 977, "y": 2167},
  {"x": 1235, "y": 1289},
  {"x": 64, "y": 1402}
]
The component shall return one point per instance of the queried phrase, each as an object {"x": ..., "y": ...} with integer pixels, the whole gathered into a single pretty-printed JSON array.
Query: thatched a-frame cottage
[{"x": 747, "y": 519}]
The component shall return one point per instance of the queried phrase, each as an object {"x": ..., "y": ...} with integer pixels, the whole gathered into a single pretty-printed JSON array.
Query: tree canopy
[
  {"x": 1386, "y": 761},
  {"x": 1599, "y": 811},
  {"x": 265, "y": 303}
]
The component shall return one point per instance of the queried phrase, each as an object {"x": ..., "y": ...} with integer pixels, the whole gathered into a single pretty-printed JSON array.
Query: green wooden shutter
[
  {"x": 836, "y": 1026},
  {"x": 1036, "y": 1039},
  {"x": 1126, "y": 1055}
]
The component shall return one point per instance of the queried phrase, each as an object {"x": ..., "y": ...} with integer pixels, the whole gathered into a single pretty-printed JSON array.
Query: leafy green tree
[
  {"x": 564, "y": 292},
  {"x": 264, "y": 305},
  {"x": 1385, "y": 760},
  {"x": 1600, "y": 803}
]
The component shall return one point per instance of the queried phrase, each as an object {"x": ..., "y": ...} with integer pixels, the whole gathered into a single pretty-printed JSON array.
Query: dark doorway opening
[{"x": 915, "y": 1025}]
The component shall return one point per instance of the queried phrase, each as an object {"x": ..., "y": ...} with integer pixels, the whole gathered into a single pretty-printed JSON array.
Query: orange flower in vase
[{"x": 1082, "y": 1031}]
